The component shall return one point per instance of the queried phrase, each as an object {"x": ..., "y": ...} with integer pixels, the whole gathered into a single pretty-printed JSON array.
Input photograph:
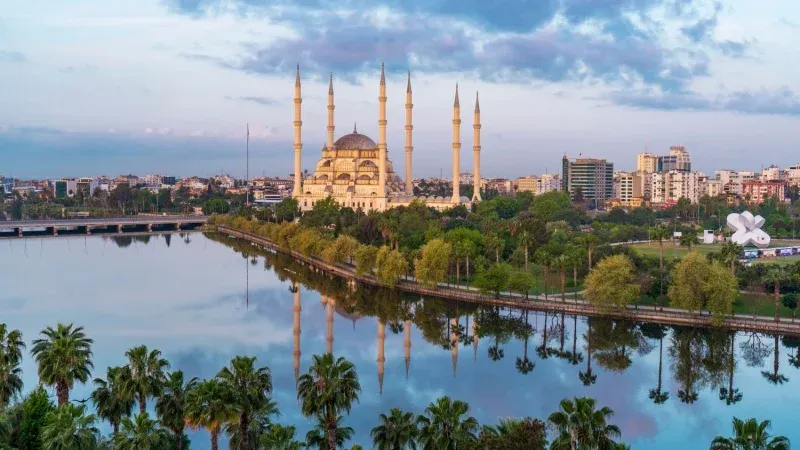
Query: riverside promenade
[{"x": 666, "y": 315}]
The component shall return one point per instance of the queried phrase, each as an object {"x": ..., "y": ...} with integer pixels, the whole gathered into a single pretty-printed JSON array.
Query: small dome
[{"x": 355, "y": 141}]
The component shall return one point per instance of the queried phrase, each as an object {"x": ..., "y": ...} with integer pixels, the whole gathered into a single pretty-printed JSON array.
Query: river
[{"x": 203, "y": 299}]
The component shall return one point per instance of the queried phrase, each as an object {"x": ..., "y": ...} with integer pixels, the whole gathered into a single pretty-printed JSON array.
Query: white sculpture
[{"x": 747, "y": 229}]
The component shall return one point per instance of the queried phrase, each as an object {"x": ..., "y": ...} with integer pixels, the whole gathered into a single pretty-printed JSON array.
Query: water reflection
[{"x": 668, "y": 386}]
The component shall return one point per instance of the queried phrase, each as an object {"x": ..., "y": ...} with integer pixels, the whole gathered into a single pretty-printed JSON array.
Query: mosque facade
[{"x": 355, "y": 170}]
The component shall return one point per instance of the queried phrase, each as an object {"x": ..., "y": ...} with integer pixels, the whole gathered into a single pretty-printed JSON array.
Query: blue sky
[{"x": 111, "y": 86}]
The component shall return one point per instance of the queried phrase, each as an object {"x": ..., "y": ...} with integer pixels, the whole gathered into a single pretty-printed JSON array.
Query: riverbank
[{"x": 666, "y": 316}]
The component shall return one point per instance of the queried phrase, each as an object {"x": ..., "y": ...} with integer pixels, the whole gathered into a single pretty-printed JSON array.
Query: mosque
[{"x": 356, "y": 172}]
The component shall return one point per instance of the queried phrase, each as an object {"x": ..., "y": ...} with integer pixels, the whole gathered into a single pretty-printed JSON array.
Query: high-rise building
[
  {"x": 760, "y": 191},
  {"x": 646, "y": 163},
  {"x": 771, "y": 173},
  {"x": 668, "y": 187},
  {"x": 593, "y": 177},
  {"x": 732, "y": 180},
  {"x": 628, "y": 188},
  {"x": 678, "y": 159}
]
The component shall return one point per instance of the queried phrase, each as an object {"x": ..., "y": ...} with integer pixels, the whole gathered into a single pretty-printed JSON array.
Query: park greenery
[
  {"x": 546, "y": 246},
  {"x": 239, "y": 403}
]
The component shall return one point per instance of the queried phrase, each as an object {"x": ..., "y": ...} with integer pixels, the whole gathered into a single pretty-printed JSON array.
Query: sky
[{"x": 92, "y": 87}]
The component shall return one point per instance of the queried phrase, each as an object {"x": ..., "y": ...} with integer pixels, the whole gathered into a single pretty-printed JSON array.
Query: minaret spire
[
  {"x": 409, "y": 144},
  {"x": 296, "y": 328},
  {"x": 382, "y": 141},
  {"x": 476, "y": 151},
  {"x": 381, "y": 354},
  {"x": 298, "y": 140},
  {"x": 456, "y": 149},
  {"x": 454, "y": 343},
  {"x": 329, "y": 323},
  {"x": 331, "y": 107},
  {"x": 407, "y": 344}
]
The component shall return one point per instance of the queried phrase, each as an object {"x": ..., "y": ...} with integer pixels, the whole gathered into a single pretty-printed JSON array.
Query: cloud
[
  {"x": 12, "y": 57},
  {"x": 781, "y": 102},
  {"x": 613, "y": 41},
  {"x": 265, "y": 101}
]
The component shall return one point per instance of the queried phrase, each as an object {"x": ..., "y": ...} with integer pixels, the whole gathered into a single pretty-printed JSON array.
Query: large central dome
[{"x": 355, "y": 141}]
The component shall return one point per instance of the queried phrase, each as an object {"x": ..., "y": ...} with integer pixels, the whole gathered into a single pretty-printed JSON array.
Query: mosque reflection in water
[{"x": 697, "y": 360}]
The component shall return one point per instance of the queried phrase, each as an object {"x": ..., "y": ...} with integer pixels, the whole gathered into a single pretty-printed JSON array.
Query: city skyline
[{"x": 168, "y": 86}]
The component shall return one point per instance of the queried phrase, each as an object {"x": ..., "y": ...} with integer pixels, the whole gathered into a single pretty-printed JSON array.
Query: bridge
[{"x": 22, "y": 228}]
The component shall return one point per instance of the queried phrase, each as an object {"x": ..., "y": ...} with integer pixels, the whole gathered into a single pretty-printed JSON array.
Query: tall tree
[
  {"x": 210, "y": 406},
  {"x": 431, "y": 268},
  {"x": 250, "y": 388},
  {"x": 145, "y": 374},
  {"x": 580, "y": 425},
  {"x": 731, "y": 251},
  {"x": 750, "y": 434},
  {"x": 140, "y": 433},
  {"x": 612, "y": 283},
  {"x": 111, "y": 401},
  {"x": 329, "y": 388},
  {"x": 660, "y": 233},
  {"x": 69, "y": 428},
  {"x": 446, "y": 425},
  {"x": 776, "y": 275},
  {"x": 397, "y": 431},
  {"x": 171, "y": 404},
  {"x": 64, "y": 356}
]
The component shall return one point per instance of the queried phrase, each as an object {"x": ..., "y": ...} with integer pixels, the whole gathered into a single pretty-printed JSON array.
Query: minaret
[
  {"x": 296, "y": 329},
  {"x": 407, "y": 344},
  {"x": 474, "y": 337},
  {"x": 382, "y": 136},
  {"x": 329, "y": 322},
  {"x": 409, "y": 145},
  {"x": 298, "y": 141},
  {"x": 454, "y": 343},
  {"x": 456, "y": 148},
  {"x": 476, "y": 152},
  {"x": 331, "y": 107},
  {"x": 381, "y": 355}
]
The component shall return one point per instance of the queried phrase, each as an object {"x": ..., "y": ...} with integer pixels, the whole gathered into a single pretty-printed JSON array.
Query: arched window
[{"x": 343, "y": 176}]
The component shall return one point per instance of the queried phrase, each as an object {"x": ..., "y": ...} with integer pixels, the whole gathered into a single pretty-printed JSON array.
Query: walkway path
[{"x": 666, "y": 315}]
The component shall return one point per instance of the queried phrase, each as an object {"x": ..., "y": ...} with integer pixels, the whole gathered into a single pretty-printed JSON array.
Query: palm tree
[
  {"x": 589, "y": 240},
  {"x": 774, "y": 377},
  {"x": 730, "y": 252},
  {"x": 398, "y": 431},
  {"x": 444, "y": 426},
  {"x": 329, "y": 388},
  {"x": 258, "y": 424},
  {"x": 579, "y": 425},
  {"x": 140, "y": 433},
  {"x": 251, "y": 389},
  {"x": 111, "y": 401},
  {"x": 657, "y": 395},
  {"x": 64, "y": 356},
  {"x": 505, "y": 427},
  {"x": 751, "y": 435},
  {"x": 10, "y": 380},
  {"x": 562, "y": 261},
  {"x": 171, "y": 405},
  {"x": 145, "y": 374},
  {"x": 278, "y": 437},
  {"x": 687, "y": 240},
  {"x": 68, "y": 428},
  {"x": 209, "y": 406},
  {"x": 525, "y": 365},
  {"x": 11, "y": 344},
  {"x": 660, "y": 233},
  {"x": 319, "y": 437},
  {"x": 730, "y": 394},
  {"x": 776, "y": 275},
  {"x": 588, "y": 378}
]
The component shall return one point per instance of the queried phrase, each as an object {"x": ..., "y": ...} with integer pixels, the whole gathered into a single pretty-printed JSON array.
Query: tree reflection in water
[{"x": 698, "y": 359}]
